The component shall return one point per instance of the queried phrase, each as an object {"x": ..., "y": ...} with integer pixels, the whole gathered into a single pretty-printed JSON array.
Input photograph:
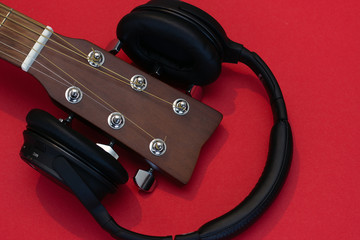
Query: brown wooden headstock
[{"x": 148, "y": 114}]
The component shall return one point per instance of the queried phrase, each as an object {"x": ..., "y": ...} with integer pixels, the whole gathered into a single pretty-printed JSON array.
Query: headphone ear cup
[
  {"x": 88, "y": 153},
  {"x": 163, "y": 42}
]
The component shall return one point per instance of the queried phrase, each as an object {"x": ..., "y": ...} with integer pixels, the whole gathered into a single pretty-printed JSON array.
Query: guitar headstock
[{"x": 163, "y": 125}]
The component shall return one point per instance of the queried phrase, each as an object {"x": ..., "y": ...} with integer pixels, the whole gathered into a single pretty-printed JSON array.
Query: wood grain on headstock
[
  {"x": 63, "y": 63},
  {"x": 147, "y": 117}
]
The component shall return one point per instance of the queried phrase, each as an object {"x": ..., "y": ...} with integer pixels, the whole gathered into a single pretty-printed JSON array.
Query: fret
[{"x": 7, "y": 15}]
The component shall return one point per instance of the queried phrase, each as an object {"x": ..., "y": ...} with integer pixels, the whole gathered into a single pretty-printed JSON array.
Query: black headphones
[{"x": 180, "y": 42}]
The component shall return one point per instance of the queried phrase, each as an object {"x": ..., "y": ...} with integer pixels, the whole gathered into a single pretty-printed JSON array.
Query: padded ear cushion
[
  {"x": 173, "y": 41},
  {"x": 196, "y": 16},
  {"x": 51, "y": 128}
]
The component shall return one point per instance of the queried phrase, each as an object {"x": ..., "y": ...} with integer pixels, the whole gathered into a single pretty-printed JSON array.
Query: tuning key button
[
  {"x": 138, "y": 83},
  {"x": 116, "y": 120},
  {"x": 73, "y": 94},
  {"x": 157, "y": 147},
  {"x": 145, "y": 180},
  {"x": 181, "y": 106}
]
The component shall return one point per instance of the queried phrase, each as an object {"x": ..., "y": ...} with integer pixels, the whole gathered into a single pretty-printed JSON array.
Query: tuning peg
[
  {"x": 145, "y": 180},
  {"x": 109, "y": 149},
  {"x": 114, "y": 47}
]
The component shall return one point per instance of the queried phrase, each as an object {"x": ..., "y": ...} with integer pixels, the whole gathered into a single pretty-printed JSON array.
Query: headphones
[{"x": 176, "y": 41}]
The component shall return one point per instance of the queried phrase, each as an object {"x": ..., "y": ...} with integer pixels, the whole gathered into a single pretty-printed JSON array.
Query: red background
[{"x": 313, "y": 49}]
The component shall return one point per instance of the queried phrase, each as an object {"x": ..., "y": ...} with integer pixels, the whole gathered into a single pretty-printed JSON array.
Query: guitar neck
[
  {"x": 18, "y": 34},
  {"x": 164, "y": 126}
]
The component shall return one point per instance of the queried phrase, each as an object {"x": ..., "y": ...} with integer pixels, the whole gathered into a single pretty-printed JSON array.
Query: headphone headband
[{"x": 259, "y": 67}]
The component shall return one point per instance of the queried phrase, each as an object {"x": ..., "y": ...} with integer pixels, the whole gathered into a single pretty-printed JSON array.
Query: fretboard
[{"x": 18, "y": 35}]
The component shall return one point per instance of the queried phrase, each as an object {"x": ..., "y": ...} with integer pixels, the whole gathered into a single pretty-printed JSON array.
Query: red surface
[{"x": 313, "y": 49}]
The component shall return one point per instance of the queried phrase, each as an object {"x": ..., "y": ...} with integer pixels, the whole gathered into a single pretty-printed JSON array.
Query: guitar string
[
  {"x": 26, "y": 18},
  {"x": 66, "y": 84},
  {"x": 47, "y": 75},
  {"x": 57, "y": 75},
  {"x": 128, "y": 119},
  {"x": 53, "y": 49},
  {"x": 33, "y": 31},
  {"x": 81, "y": 55},
  {"x": 69, "y": 84}
]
